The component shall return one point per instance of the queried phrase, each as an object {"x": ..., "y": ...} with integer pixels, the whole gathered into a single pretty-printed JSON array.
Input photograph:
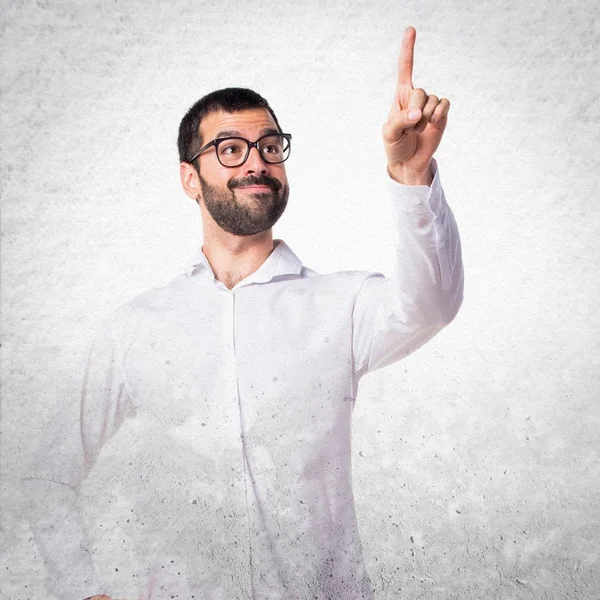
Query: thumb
[
  {"x": 411, "y": 116},
  {"x": 400, "y": 121}
]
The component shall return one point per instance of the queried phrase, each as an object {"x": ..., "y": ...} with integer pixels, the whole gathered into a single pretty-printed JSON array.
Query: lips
[{"x": 256, "y": 188}]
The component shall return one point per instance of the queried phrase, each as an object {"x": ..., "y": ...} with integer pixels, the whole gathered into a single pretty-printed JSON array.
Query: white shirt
[{"x": 239, "y": 404}]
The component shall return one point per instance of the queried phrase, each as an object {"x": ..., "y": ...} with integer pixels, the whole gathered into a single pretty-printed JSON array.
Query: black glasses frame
[{"x": 250, "y": 145}]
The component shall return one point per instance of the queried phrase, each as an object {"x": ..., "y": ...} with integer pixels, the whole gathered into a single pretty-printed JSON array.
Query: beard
[{"x": 254, "y": 214}]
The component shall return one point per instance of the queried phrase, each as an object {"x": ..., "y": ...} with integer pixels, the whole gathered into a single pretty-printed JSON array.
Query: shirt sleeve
[
  {"x": 69, "y": 449},
  {"x": 392, "y": 317}
]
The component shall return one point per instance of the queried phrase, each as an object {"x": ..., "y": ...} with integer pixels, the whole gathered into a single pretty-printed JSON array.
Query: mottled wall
[{"x": 476, "y": 459}]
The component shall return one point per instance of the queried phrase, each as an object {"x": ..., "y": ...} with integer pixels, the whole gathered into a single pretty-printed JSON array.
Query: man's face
[{"x": 248, "y": 199}]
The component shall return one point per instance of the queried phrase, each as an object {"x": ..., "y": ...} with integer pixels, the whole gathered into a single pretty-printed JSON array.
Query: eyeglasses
[{"x": 274, "y": 148}]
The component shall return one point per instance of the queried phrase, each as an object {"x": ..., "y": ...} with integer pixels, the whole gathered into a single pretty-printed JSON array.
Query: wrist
[{"x": 407, "y": 176}]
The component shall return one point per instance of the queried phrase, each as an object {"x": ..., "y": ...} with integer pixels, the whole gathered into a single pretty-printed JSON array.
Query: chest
[{"x": 245, "y": 360}]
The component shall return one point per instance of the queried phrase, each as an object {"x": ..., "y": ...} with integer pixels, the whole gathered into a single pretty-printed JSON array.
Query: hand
[{"x": 410, "y": 144}]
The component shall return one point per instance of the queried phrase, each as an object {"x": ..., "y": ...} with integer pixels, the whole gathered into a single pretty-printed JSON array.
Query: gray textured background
[{"x": 476, "y": 459}]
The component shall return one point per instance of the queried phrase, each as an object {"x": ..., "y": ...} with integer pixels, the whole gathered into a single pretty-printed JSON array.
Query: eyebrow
[{"x": 235, "y": 133}]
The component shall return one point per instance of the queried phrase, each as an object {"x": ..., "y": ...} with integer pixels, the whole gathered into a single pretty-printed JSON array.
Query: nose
[{"x": 255, "y": 163}]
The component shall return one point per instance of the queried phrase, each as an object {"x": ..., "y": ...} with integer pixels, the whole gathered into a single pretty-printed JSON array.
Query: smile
[{"x": 256, "y": 188}]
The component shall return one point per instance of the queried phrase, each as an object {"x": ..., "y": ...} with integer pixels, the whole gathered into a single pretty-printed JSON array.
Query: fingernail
[{"x": 414, "y": 114}]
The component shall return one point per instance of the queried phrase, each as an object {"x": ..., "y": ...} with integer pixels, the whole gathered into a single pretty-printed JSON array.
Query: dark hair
[{"x": 228, "y": 100}]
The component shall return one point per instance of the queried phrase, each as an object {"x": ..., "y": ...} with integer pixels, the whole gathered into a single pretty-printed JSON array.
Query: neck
[{"x": 233, "y": 258}]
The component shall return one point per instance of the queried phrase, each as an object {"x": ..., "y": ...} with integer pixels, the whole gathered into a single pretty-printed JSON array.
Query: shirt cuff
[{"x": 418, "y": 198}]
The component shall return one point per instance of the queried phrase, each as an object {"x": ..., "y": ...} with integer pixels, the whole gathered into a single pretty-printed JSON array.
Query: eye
[{"x": 230, "y": 148}]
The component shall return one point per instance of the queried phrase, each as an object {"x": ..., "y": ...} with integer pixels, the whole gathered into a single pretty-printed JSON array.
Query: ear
[{"x": 189, "y": 180}]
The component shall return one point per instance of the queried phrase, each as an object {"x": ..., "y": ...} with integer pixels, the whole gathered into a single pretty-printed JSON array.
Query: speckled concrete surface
[{"x": 476, "y": 459}]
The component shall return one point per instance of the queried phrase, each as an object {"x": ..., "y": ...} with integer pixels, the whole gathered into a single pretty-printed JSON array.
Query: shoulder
[
  {"x": 343, "y": 283},
  {"x": 161, "y": 298},
  {"x": 146, "y": 306}
]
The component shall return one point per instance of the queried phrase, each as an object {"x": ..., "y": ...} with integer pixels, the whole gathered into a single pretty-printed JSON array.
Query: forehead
[{"x": 249, "y": 123}]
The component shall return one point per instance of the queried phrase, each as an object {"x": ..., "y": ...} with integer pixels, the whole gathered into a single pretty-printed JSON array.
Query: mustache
[{"x": 274, "y": 184}]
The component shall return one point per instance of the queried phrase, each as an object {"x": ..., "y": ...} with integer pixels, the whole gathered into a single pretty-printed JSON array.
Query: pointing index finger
[{"x": 405, "y": 61}]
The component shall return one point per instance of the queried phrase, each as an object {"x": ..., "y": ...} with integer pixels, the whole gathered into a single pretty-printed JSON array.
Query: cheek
[
  {"x": 219, "y": 179},
  {"x": 281, "y": 175}
]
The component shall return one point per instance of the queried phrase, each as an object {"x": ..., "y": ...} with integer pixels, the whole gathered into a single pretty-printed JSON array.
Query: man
[{"x": 244, "y": 371}]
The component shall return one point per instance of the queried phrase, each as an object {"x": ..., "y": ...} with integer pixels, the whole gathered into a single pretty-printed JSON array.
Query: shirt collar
[{"x": 282, "y": 261}]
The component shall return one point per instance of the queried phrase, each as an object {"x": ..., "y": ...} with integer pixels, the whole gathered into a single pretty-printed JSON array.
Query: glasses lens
[
  {"x": 232, "y": 152},
  {"x": 274, "y": 148}
]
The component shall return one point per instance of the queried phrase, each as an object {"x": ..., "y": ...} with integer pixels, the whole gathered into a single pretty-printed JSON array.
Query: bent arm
[
  {"x": 68, "y": 451},
  {"x": 395, "y": 316}
]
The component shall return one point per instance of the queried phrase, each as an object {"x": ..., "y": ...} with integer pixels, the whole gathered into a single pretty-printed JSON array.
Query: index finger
[{"x": 405, "y": 61}]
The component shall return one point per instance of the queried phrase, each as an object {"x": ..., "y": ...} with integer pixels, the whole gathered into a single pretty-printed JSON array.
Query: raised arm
[{"x": 394, "y": 316}]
